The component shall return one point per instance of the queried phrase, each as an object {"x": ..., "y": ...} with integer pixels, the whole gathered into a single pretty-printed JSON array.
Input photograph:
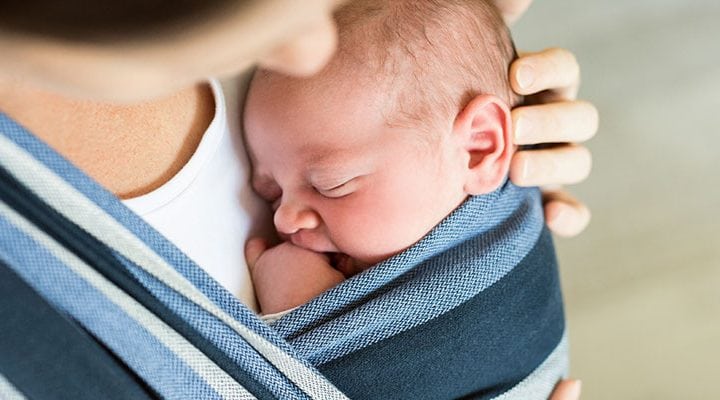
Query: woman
[{"x": 159, "y": 57}]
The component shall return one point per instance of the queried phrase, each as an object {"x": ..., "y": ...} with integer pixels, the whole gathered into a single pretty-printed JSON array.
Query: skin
[
  {"x": 279, "y": 34},
  {"x": 164, "y": 72},
  {"x": 512, "y": 10},
  {"x": 567, "y": 389},
  {"x": 99, "y": 137}
]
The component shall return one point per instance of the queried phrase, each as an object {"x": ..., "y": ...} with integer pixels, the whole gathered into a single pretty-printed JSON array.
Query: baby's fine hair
[{"x": 432, "y": 56}]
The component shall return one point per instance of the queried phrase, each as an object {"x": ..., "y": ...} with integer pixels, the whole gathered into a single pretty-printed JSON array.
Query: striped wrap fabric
[{"x": 94, "y": 303}]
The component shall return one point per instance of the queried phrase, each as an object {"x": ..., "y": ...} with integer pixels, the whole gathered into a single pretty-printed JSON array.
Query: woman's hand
[
  {"x": 512, "y": 10},
  {"x": 549, "y": 79},
  {"x": 567, "y": 390}
]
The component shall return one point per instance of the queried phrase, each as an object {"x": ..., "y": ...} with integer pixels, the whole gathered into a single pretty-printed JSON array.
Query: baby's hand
[{"x": 286, "y": 276}]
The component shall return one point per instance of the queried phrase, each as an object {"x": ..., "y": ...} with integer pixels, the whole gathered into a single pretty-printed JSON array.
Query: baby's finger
[
  {"x": 559, "y": 165},
  {"x": 254, "y": 248},
  {"x": 551, "y": 69},
  {"x": 567, "y": 121},
  {"x": 565, "y": 215}
]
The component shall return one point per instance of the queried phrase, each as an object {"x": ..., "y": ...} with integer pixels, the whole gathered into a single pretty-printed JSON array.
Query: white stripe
[
  {"x": 69, "y": 202},
  {"x": 541, "y": 382},
  {"x": 8, "y": 391},
  {"x": 218, "y": 379}
]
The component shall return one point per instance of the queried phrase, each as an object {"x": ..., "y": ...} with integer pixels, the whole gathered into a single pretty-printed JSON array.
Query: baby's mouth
[{"x": 345, "y": 264}]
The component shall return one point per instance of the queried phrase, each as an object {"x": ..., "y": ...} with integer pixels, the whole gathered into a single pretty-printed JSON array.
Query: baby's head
[{"x": 409, "y": 118}]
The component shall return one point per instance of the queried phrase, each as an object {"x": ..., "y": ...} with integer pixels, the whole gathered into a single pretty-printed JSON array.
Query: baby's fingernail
[
  {"x": 523, "y": 131},
  {"x": 525, "y": 76}
]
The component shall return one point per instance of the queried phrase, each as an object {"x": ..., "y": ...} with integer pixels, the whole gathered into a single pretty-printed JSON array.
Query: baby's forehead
[
  {"x": 343, "y": 73},
  {"x": 340, "y": 92}
]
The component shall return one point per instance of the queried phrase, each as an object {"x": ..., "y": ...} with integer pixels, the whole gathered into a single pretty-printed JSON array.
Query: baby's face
[{"x": 340, "y": 178}]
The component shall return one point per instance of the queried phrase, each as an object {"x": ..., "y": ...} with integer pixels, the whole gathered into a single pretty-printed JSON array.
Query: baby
[
  {"x": 410, "y": 118},
  {"x": 393, "y": 161}
]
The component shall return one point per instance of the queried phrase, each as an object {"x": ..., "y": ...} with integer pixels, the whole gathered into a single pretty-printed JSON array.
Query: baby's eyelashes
[{"x": 339, "y": 190}]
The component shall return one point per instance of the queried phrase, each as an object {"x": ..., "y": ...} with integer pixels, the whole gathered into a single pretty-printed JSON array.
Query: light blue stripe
[
  {"x": 157, "y": 365},
  {"x": 219, "y": 334},
  {"x": 541, "y": 382},
  {"x": 8, "y": 391}
]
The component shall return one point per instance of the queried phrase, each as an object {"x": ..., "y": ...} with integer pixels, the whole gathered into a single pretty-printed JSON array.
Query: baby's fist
[{"x": 286, "y": 276}]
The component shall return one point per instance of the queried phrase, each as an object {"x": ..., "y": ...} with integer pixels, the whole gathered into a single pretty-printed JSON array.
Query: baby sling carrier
[{"x": 94, "y": 304}]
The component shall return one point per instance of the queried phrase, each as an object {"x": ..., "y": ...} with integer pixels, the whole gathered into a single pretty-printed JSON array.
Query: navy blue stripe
[
  {"x": 101, "y": 258},
  {"x": 47, "y": 356},
  {"x": 478, "y": 350}
]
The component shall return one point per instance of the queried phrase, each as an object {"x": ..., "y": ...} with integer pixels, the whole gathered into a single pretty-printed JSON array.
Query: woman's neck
[{"x": 129, "y": 149}]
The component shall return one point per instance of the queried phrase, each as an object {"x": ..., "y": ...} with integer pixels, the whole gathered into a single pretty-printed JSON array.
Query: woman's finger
[
  {"x": 567, "y": 390},
  {"x": 512, "y": 10},
  {"x": 561, "y": 165},
  {"x": 567, "y": 121},
  {"x": 553, "y": 69},
  {"x": 564, "y": 214}
]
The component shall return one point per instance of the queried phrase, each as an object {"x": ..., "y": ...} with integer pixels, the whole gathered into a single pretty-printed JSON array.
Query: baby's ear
[{"x": 484, "y": 131}]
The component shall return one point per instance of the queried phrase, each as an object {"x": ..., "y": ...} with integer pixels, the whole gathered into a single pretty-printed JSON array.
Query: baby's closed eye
[{"x": 338, "y": 190}]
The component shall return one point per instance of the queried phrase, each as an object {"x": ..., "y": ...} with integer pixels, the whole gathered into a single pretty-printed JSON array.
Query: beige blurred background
[{"x": 642, "y": 285}]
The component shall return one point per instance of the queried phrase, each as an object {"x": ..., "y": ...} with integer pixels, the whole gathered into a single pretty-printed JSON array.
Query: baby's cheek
[{"x": 373, "y": 229}]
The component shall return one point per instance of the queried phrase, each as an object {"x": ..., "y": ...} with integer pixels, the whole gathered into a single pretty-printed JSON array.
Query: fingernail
[
  {"x": 527, "y": 169},
  {"x": 577, "y": 389},
  {"x": 523, "y": 127},
  {"x": 560, "y": 216},
  {"x": 525, "y": 76}
]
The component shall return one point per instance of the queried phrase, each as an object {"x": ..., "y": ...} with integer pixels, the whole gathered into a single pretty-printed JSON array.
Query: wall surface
[{"x": 642, "y": 285}]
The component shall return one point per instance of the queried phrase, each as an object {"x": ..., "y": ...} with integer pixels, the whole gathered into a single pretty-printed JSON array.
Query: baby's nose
[{"x": 290, "y": 218}]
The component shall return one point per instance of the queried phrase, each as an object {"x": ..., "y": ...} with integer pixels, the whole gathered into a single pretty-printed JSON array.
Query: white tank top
[{"x": 208, "y": 209}]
